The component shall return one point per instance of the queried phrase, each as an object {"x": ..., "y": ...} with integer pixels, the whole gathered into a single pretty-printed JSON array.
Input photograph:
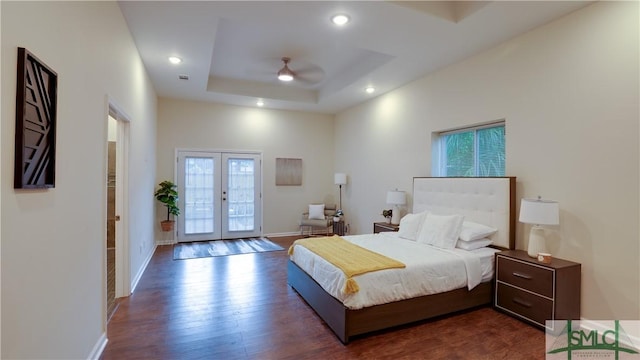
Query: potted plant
[
  {"x": 387, "y": 214},
  {"x": 168, "y": 196}
]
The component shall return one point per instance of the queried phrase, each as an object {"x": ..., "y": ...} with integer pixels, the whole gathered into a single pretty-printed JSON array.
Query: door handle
[{"x": 117, "y": 218}]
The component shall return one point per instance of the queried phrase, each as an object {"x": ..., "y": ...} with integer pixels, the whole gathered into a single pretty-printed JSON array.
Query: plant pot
[
  {"x": 388, "y": 220},
  {"x": 167, "y": 225},
  {"x": 336, "y": 219}
]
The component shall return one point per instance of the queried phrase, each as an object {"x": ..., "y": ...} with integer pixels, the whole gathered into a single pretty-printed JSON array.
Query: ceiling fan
[
  {"x": 285, "y": 74},
  {"x": 304, "y": 72}
]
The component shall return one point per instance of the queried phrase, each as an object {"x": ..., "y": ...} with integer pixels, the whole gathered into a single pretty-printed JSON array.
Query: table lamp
[
  {"x": 396, "y": 198},
  {"x": 538, "y": 212}
]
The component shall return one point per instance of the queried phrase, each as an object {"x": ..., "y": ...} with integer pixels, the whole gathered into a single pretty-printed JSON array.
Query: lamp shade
[
  {"x": 396, "y": 197},
  {"x": 340, "y": 178},
  {"x": 539, "y": 212}
]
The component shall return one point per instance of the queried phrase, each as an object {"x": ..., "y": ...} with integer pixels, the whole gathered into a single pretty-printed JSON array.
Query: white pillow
[
  {"x": 441, "y": 230},
  {"x": 474, "y": 231},
  {"x": 316, "y": 212},
  {"x": 410, "y": 226},
  {"x": 474, "y": 244}
]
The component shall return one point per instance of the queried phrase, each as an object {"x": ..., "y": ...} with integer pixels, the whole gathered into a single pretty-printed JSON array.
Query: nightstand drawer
[
  {"x": 526, "y": 276},
  {"x": 530, "y": 306},
  {"x": 384, "y": 227}
]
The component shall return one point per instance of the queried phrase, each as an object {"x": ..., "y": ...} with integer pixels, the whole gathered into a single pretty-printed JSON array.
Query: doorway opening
[
  {"x": 111, "y": 216},
  {"x": 116, "y": 244}
]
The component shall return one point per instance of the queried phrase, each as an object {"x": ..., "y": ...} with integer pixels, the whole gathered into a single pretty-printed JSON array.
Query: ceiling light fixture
[
  {"x": 370, "y": 89},
  {"x": 285, "y": 74},
  {"x": 175, "y": 60},
  {"x": 260, "y": 103},
  {"x": 340, "y": 19}
]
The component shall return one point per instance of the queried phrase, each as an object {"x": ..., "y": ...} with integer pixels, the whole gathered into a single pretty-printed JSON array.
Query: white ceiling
[{"x": 231, "y": 50}]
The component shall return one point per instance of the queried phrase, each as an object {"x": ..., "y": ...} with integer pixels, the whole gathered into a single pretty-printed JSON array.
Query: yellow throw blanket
[{"x": 350, "y": 258}]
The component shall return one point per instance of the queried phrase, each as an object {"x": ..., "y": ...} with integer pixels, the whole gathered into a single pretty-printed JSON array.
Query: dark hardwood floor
[{"x": 240, "y": 307}]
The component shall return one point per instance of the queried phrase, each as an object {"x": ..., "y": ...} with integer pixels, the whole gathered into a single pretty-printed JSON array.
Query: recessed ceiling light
[
  {"x": 340, "y": 19},
  {"x": 260, "y": 103},
  {"x": 370, "y": 89},
  {"x": 175, "y": 60}
]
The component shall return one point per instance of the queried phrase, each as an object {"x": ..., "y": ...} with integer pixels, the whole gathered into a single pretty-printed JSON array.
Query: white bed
[
  {"x": 489, "y": 201},
  {"x": 429, "y": 270}
]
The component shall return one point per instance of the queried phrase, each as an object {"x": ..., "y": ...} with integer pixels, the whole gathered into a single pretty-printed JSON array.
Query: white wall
[
  {"x": 275, "y": 133},
  {"x": 569, "y": 94},
  {"x": 53, "y": 241}
]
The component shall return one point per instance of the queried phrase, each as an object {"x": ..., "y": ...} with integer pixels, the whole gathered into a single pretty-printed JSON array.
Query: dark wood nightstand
[
  {"x": 534, "y": 291},
  {"x": 338, "y": 228},
  {"x": 379, "y": 227}
]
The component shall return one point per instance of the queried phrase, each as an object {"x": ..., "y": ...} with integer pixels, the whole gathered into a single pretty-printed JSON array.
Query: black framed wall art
[{"x": 36, "y": 105}]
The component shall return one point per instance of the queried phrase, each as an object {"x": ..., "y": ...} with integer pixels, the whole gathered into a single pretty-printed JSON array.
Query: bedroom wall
[
  {"x": 569, "y": 94},
  {"x": 53, "y": 241},
  {"x": 275, "y": 133}
]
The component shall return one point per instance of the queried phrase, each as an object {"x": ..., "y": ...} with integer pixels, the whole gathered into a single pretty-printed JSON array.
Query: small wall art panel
[
  {"x": 35, "y": 146},
  {"x": 288, "y": 172}
]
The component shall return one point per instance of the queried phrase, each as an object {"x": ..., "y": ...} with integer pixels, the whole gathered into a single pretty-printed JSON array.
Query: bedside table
[
  {"x": 534, "y": 291},
  {"x": 338, "y": 228},
  {"x": 379, "y": 227}
]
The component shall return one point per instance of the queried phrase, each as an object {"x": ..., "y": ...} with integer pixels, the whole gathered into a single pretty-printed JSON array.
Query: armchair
[{"x": 325, "y": 223}]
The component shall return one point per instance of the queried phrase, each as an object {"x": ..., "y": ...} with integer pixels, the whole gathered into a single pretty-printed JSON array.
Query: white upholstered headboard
[{"x": 485, "y": 200}]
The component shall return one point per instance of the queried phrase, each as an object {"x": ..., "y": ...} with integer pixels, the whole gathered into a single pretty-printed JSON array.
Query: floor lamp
[
  {"x": 538, "y": 212},
  {"x": 340, "y": 179}
]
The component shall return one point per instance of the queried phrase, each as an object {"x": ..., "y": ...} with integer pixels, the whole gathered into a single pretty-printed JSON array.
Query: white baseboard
[
  {"x": 290, "y": 233},
  {"x": 97, "y": 350},
  {"x": 590, "y": 325},
  {"x": 166, "y": 242},
  {"x": 294, "y": 233},
  {"x": 282, "y": 234},
  {"x": 138, "y": 276}
]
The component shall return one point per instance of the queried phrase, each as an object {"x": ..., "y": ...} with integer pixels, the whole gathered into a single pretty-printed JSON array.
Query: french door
[{"x": 220, "y": 196}]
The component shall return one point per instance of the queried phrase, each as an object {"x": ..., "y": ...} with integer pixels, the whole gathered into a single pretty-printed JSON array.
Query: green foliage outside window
[{"x": 477, "y": 152}]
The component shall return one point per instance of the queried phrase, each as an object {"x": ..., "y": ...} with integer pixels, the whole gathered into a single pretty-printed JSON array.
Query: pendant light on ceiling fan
[{"x": 285, "y": 74}]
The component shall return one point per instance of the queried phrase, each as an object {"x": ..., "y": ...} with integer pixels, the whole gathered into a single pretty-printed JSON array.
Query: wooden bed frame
[{"x": 347, "y": 323}]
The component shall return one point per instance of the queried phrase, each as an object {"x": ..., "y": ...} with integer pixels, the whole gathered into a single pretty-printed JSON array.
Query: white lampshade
[
  {"x": 539, "y": 212},
  {"x": 340, "y": 178},
  {"x": 396, "y": 197}
]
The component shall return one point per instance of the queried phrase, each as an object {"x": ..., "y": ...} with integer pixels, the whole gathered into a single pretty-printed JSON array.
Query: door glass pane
[
  {"x": 198, "y": 195},
  {"x": 241, "y": 194}
]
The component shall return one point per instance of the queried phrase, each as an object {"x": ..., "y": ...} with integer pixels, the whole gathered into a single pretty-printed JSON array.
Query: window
[{"x": 475, "y": 151}]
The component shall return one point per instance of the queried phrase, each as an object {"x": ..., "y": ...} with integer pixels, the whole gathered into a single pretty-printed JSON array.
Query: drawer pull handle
[
  {"x": 522, "y": 276},
  {"x": 521, "y": 302}
]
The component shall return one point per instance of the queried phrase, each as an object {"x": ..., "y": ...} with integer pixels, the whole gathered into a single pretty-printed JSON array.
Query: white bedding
[{"x": 429, "y": 270}]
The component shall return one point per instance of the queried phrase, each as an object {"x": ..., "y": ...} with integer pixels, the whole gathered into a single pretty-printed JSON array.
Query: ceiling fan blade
[
  {"x": 264, "y": 69},
  {"x": 309, "y": 73}
]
